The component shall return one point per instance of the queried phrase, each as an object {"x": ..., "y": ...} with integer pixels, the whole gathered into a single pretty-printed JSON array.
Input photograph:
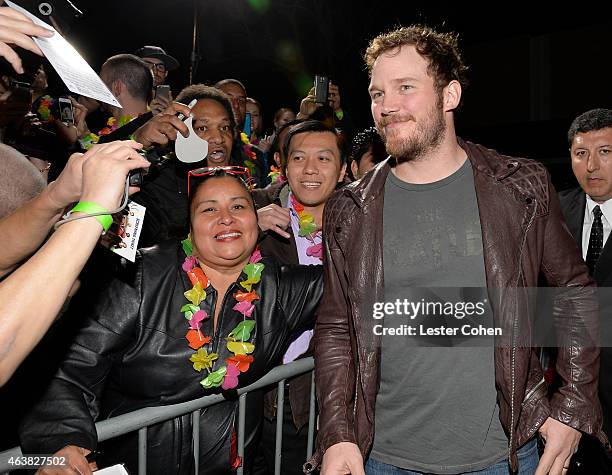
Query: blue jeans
[{"x": 527, "y": 455}]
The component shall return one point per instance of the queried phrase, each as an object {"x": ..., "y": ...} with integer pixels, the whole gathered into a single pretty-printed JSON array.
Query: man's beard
[{"x": 426, "y": 136}]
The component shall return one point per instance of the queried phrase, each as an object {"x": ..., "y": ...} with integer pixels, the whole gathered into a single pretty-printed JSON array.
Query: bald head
[{"x": 20, "y": 181}]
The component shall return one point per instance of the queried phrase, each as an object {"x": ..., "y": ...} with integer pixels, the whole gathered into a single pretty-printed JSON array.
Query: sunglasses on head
[{"x": 240, "y": 172}]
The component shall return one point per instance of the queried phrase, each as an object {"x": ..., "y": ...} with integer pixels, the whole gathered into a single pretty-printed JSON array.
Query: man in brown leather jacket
[{"x": 447, "y": 213}]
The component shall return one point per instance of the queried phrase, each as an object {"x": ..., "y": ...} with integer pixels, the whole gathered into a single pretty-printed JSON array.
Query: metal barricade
[{"x": 141, "y": 419}]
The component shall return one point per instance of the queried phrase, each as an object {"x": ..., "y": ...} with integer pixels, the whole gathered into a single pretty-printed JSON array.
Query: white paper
[
  {"x": 78, "y": 76},
  {"x": 191, "y": 149},
  {"x": 114, "y": 470},
  {"x": 130, "y": 230}
]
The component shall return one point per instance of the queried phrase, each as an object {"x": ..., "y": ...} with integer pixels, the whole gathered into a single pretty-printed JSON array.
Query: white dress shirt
[{"x": 606, "y": 219}]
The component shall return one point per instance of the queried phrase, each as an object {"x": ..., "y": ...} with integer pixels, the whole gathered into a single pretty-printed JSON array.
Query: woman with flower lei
[{"x": 196, "y": 317}]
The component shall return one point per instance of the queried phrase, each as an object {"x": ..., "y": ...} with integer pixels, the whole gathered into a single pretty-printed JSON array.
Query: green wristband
[{"x": 90, "y": 207}]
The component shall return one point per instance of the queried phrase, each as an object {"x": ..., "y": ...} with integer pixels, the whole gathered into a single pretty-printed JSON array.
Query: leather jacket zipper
[
  {"x": 216, "y": 332},
  {"x": 535, "y": 388},
  {"x": 514, "y": 331}
]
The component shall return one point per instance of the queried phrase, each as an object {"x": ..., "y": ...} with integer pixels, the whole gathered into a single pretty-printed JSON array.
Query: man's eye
[
  {"x": 201, "y": 128},
  {"x": 208, "y": 210},
  {"x": 376, "y": 95},
  {"x": 405, "y": 87},
  {"x": 297, "y": 158},
  {"x": 605, "y": 151},
  {"x": 224, "y": 128},
  {"x": 323, "y": 158},
  {"x": 579, "y": 153},
  {"x": 238, "y": 206}
]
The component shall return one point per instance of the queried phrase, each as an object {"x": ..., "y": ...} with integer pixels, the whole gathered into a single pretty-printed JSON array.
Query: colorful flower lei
[
  {"x": 276, "y": 176},
  {"x": 44, "y": 108},
  {"x": 238, "y": 339},
  {"x": 307, "y": 228},
  {"x": 112, "y": 124},
  {"x": 250, "y": 154}
]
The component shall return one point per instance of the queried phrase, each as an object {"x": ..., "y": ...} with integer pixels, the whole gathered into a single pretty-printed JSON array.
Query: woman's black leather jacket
[{"x": 131, "y": 353}]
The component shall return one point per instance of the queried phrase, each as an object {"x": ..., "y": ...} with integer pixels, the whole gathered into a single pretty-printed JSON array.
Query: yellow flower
[{"x": 202, "y": 359}]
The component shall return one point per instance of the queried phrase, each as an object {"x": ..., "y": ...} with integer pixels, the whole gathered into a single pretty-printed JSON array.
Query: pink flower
[
  {"x": 197, "y": 317},
  {"x": 255, "y": 257},
  {"x": 315, "y": 251},
  {"x": 230, "y": 381},
  {"x": 189, "y": 264},
  {"x": 245, "y": 308}
]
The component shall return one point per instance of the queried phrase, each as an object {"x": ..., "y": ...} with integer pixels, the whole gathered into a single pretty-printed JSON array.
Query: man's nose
[
  {"x": 214, "y": 136},
  {"x": 311, "y": 166},
  {"x": 593, "y": 162},
  {"x": 389, "y": 104}
]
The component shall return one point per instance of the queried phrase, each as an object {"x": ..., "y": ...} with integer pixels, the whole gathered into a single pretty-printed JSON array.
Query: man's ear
[
  {"x": 117, "y": 88},
  {"x": 342, "y": 173},
  {"x": 451, "y": 96},
  {"x": 277, "y": 159},
  {"x": 355, "y": 169}
]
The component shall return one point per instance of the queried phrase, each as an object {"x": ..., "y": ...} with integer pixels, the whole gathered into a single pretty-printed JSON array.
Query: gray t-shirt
[{"x": 436, "y": 409}]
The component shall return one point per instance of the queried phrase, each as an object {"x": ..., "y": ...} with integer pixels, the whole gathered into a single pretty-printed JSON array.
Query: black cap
[{"x": 158, "y": 53}]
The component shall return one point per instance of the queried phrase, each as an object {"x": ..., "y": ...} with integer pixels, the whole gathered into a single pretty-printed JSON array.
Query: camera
[
  {"x": 321, "y": 89},
  {"x": 138, "y": 176}
]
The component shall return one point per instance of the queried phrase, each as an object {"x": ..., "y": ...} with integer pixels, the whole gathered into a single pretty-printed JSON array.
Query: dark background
[{"x": 534, "y": 66}]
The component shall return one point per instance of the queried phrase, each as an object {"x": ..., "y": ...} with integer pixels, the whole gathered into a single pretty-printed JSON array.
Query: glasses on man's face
[
  {"x": 159, "y": 66},
  {"x": 240, "y": 172}
]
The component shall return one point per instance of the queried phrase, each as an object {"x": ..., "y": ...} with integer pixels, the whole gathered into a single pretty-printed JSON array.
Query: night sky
[{"x": 532, "y": 70}]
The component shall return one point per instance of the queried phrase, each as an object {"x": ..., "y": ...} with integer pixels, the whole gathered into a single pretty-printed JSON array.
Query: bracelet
[{"x": 90, "y": 207}]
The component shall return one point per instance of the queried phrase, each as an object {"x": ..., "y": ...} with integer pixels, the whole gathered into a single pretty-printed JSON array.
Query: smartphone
[
  {"x": 66, "y": 111},
  {"x": 247, "y": 124},
  {"x": 163, "y": 90},
  {"x": 321, "y": 89}
]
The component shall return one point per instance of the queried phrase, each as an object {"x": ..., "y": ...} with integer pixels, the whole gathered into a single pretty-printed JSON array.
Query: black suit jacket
[{"x": 573, "y": 206}]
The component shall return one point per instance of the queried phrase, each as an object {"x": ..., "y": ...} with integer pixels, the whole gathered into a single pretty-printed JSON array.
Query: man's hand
[
  {"x": 102, "y": 177},
  {"x": 274, "y": 218},
  {"x": 17, "y": 29},
  {"x": 561, "y": 442},
  {"x": 105, "y": 171},
  {"x": 163, "y": 127},
  {"x": 308, "y": 105},
  {"x": 341, "y": 459},
  {"x": 75, "y": 462},
  {"x": 80, "y": 114}
]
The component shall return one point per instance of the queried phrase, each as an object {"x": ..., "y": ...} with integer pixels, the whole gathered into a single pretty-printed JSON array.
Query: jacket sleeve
[
  {"x": 334, "y": 359},
  {"x": 577, "y": 325},
  {"x": 66, "y": 412},
  {"x": 301, "y": 290}
]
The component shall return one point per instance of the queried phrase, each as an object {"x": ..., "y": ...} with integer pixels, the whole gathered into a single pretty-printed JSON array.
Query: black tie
[{"x": 595, "y": 241}]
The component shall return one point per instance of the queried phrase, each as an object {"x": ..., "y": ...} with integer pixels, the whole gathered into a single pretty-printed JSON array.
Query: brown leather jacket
[{"x": 523, "y": 234}]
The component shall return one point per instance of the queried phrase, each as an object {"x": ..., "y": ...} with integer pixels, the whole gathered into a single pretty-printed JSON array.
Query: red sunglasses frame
[{"x": 233, "y": 170}]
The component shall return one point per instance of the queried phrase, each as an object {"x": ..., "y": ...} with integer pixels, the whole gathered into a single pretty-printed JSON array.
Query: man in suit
[{"x": 588, "y": 213}]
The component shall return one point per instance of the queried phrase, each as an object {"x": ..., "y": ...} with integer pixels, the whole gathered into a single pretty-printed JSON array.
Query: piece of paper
[
  {"x": 129, "y": 230},
  {"x": 78, "y": 76},
  {"x": 114, "y": 470}
]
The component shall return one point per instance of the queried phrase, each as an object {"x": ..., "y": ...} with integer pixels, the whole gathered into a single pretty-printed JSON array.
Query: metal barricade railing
[{"x": 141, "y": 419}]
